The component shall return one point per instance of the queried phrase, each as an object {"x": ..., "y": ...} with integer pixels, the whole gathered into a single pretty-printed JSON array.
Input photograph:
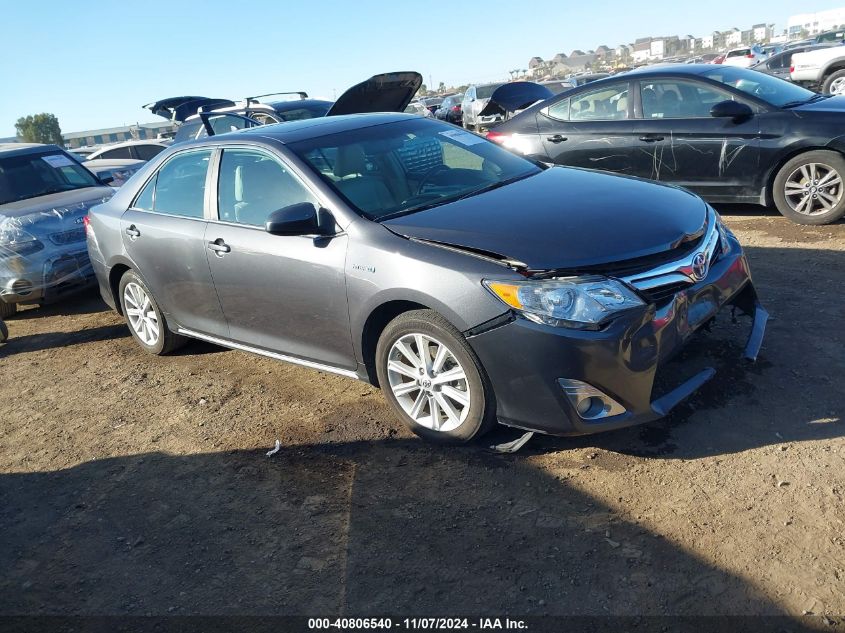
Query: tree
[
  {"x": 40, "y": 128},
  {"x": 441, "y": 87},
  {"x": 423, "y": 89}
]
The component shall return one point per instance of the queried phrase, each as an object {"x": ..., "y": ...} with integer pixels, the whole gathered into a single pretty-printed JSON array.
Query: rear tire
[
  {"x": 433, "y": 379},
  {"x": 144, "y": 319},
  {"x": 7, "y": 309},
  {"x": 4, "y": 332},
  {"x": 834, "y": 83},
  {"x": 810, "y": 188}
]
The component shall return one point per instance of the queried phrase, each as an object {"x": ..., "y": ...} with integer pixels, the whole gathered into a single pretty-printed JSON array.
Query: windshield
[
  {"x": 32, "y": 175},
  {"x": 399, "y": 168},
  {"x": 770, "y": 89}
]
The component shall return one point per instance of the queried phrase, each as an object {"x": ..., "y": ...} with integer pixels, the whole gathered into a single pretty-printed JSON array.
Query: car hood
[
  {"x": 515, "y": 96},
  {"x": 180, "y": 108},
  {"x": 79, "y": 199},
  {"x": 831, "y": 104},
  {"x": 388, "y": 92},
  {"x": 563, "y": 218}
]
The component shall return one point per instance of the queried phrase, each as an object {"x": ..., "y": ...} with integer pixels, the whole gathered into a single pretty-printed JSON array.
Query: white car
[
  {"x": 136, "y": 150},
  {"x": 745, "y": 57},
  {"x": 823, "y": 67}
]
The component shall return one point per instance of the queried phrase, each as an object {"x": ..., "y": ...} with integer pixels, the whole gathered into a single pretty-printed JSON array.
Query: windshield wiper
[
  {"x": 442, "y": 201},
  {"x": 800, "y": 102},
  {"x": 490, "y": 187}
]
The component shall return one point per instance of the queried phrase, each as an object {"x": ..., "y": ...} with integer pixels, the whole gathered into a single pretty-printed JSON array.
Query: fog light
[{"x": 589, "y": 402}]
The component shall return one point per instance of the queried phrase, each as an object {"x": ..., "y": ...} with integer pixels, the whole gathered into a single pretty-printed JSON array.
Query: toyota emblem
[{"x": 699, "y": 266}]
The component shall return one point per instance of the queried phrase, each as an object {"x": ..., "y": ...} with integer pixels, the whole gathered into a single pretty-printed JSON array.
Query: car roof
[
  {"x": 670, "y": 69},
  {"x": 293, "y": 131},
  {"x": 15, "y": 149}
]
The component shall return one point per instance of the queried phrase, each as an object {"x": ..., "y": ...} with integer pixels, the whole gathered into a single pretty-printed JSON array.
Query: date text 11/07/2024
[{"x": 431, "y": 624}]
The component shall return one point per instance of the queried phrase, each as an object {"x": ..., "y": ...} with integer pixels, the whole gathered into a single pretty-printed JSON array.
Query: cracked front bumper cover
[{"x": 524, "y": 360}]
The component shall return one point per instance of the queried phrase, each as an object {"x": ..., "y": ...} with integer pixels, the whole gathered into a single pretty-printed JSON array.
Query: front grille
[
  {"x": 643, "y": 264},
  {"x": 68, "y": 237},
  {"x": 661, "y": 294}
]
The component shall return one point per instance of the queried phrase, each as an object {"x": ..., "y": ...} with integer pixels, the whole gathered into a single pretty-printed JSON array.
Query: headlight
[
  {"x": 583, "y": 303},
  {"x": 724, "y": 233},
  {"x": 15, "y": 241}
]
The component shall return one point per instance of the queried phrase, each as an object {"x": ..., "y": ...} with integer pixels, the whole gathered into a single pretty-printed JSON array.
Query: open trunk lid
[{"x": 387, "y": 92}]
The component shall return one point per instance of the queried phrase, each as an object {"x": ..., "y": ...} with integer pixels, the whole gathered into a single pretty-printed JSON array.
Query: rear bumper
[{"x": 525, "y": 360}]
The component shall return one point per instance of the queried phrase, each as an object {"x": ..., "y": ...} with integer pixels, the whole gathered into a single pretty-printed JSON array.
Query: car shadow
[
  {"x": 84, "y": 302},
  {"x": 55, "y": 340},
  {"x": 358, "y": 529}
]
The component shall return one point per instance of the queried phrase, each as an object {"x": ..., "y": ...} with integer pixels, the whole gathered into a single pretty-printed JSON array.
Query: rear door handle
[
  {"x": 133, "y": 232},
  {"x": 557, "y": 138},
  {"x": 219, "y": 247},
  {"x": 651, "y": 138}
]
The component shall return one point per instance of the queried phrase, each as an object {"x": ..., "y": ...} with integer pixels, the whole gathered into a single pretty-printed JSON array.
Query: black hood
[
  {"x": 564, "y": 218},
  {"x": 830, "y": 104},
  {"x": 180, "y": 108},
  {"x": 388, "y": 92},
  {"x": 515, "y": 96}
]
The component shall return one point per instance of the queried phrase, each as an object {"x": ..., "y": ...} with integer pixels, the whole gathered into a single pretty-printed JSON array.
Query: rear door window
[
  {"x": 117, "y": 152},
  {"x": 148, "y": 152},
  {"x": 179, "y": 186},
  {"x": 608, "y": 103}
]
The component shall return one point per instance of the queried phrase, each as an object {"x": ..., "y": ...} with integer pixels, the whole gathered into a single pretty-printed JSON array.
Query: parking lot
[{"x": 134, "y": 484}]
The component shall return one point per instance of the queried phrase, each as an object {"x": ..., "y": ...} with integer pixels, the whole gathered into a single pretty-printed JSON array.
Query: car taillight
[
  {"x": 792, "y": 69},
  {"x": 86, "y": 222},
  {"x": 750, "y": 56},
  {"x": 456, "y": 108},
  {"x": 497, "y": 137}
]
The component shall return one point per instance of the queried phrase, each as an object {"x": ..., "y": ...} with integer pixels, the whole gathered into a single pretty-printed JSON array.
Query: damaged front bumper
[{"x": 572, "y": 382}]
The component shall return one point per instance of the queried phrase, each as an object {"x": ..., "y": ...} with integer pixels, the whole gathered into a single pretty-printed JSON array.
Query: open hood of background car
[
  {"x": 180, "y": 108},
  {"x": 388, "y": 92},
  {"x": 515, "y": 96},
  {"x": 563, "y": 218}
]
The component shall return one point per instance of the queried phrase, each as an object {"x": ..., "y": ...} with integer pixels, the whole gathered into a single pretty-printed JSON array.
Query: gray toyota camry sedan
[{"x": 472, "y": 285}]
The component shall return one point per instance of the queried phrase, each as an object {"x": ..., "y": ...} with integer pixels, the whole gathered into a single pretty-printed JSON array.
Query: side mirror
[
  {"x": 107, "y": 180},
  {"x": 296, "y": 219},
  {"x": 731, "y": 110}
]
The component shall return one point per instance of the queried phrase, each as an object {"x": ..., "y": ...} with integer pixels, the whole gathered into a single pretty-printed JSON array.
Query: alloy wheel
[
  {"x": 837, "y": 86},
  {"x": 428, "y": 382},
  {"x": 813, "y": 189},
  {"x": 142, "y": 317}
]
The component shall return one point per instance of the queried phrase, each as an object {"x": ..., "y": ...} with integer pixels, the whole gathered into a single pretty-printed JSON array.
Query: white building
[
  {"x": 815, "y": 23},
  {"x": 733, "y": 38}
]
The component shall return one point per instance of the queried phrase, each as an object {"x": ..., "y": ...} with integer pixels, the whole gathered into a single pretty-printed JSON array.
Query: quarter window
[
  {"x": 148, "y": 152},
  {"x": 179, "y": 186},
  {"x": 559, "y": 110},
  {"x": 252, "y": 185},
  {"x": 117, "y": 152},
  {"x": 608, "y": 103}
]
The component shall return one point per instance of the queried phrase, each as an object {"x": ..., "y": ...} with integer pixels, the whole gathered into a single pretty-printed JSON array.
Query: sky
[{"x": 94, "y": 64}]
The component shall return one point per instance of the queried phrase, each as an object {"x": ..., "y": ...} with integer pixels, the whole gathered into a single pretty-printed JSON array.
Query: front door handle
[
  {"x": 557, "y": 138},
  {"x": 219, "y": 247},
  {"x": 133, "y": 232},
  {"x": 651, "y": 138}
]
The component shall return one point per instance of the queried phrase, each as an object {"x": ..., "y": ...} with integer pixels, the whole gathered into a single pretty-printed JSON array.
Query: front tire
[
  {"x": 433, "y": 379},
  {"x": 809, "y": 189},
  {"x": 144, "y": 318},
  {"x": 4, "y": 332},
  {"x": 7, "y": 309},
  {"x": 834, "y": 84}
]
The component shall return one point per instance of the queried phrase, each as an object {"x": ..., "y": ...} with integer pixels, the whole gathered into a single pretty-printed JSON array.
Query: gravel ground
[{"x": 132, "y": 484}]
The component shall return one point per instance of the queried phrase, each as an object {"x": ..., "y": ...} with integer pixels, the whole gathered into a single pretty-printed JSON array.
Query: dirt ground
[{"x": 132, "y": 484}]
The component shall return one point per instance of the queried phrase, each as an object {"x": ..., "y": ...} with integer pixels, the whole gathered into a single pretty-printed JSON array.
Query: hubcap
[
  {"x": 428, "y": 382},
  {"x": 142, "y": 317},
  {"x": 837, "y": 86},
  {"x": 813, "y": 189}
]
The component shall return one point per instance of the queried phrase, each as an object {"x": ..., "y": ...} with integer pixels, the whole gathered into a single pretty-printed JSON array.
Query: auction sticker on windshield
[
  {"x": 57, "y": 160},
  {"x": 464, "y": 138}
]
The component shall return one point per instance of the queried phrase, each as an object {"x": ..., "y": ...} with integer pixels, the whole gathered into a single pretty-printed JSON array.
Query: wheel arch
[
  {"x": 374, "y": 325},
  {"x": 775, "y": 170},
  {"x": 834, "y": 66},
  {"x": 115, "y": 275}
]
